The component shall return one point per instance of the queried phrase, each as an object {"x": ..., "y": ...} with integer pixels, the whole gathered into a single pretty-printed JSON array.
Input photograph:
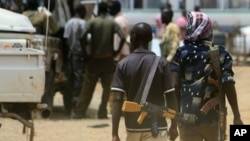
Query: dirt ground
[{"x": 61, "y": 128}]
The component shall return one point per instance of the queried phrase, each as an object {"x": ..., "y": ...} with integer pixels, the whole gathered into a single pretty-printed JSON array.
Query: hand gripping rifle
[{"x": 215, "y": 62}]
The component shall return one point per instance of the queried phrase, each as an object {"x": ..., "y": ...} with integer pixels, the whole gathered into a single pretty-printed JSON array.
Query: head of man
[
  {"x": 166, "y": 16},
  {"x": 102, "y": 8},
  {"x": 80, "y": 10},
  {"x": 141, "y": 35},
  {"x": 114, "y": 7},
  {"x": 199, "y": 27}
]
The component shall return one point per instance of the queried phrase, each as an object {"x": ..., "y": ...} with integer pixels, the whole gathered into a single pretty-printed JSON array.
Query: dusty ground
[{"x": 61, "y": 128}]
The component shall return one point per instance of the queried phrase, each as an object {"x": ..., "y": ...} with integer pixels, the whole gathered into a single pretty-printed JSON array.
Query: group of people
[
  {"x": 181, "y": 81},
  {"x": 93, "y": 59},
  {"x": 171, "y": 32},
  {"x": 100, "y": 57},
  {"x": 185, "y": 80},
  {"x": 88, "y": 60}
]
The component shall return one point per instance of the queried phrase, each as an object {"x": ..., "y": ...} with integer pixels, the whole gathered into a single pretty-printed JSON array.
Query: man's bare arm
[
  {"x": 229, "y": 89},
  {"x": 116, "y": 114},
  {"x": 122, "y": 41}
]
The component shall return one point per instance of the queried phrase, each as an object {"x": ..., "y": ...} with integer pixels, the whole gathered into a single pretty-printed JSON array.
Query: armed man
[
  {"x": 202, "y": 81},
  {"x": 147, "y": 100}
]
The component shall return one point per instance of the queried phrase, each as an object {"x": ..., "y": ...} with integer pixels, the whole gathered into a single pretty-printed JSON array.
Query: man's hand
[
  {"x": 173, "y": 132},
  {"x": 116, "y": 138}
]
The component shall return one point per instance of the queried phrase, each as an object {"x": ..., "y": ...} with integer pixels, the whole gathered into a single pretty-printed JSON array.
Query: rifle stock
[
  {"x": 215, "y": 62},
  {"x": 129, "y": 106}
]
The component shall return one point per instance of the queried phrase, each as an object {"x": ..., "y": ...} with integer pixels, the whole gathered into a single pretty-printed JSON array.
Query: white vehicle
[{"x": 22, "y": 70}]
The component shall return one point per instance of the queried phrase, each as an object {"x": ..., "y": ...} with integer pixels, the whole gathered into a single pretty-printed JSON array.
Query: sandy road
[{"x": 61, "y": 128}]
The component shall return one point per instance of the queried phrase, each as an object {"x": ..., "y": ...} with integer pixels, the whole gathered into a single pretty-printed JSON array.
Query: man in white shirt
[
  {"x": 115, "y": 11},
  {"x": 74, "y": 32}
]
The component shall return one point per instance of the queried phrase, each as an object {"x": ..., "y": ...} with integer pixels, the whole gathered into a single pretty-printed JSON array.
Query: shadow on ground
[{"x": 58, "y": 113}]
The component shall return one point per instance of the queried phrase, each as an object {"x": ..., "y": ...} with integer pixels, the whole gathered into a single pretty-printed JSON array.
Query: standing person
[
  {"x": 129, "y": 80},
  {"x": 182, "y": 22},
  {"x": 122, "y": 21},
  {"x": 74, "y": 32},
  {"x": 158, "y": 21},
  {"x": 193, "y": 73},
  {"x": 101, "y": 61},
  {"x": 170, "y": 40}
]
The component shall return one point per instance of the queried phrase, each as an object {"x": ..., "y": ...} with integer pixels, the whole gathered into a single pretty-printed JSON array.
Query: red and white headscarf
[{"x": 199, "y": 27}]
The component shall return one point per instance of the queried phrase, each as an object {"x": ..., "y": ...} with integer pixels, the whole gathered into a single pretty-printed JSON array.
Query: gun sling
[{"x": 129, "y": 106}]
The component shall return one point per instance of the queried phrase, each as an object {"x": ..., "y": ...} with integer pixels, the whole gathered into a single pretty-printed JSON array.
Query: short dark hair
[
  {"x": 102, "y": 8},
  {"x": 168, "y": 12},
  {"x": 80, "y": 9},
  {"x": 141, "y": 32},
  {"x": 114, "y": 7}
]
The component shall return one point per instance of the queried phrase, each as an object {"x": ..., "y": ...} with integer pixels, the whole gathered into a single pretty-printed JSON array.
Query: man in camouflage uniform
[{"x": 74, "y": 31}]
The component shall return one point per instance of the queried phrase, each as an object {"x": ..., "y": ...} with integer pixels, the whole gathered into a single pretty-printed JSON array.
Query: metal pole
[{"x": 47, "y": 27}]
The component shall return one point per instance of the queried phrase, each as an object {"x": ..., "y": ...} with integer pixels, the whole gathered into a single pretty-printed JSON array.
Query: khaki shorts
[
  {"x": 203, "y": 132},
  {"x": 146, "y": 136}
]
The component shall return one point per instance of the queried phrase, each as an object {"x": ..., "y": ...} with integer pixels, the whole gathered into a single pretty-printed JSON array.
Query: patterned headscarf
[{"x": 199, "y": 27}]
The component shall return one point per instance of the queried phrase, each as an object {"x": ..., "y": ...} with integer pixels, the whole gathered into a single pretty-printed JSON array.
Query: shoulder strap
[{"x": 149, "y": 80}]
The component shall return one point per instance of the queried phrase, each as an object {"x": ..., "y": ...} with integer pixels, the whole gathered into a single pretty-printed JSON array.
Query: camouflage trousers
[{"x": 75, "y": 65}]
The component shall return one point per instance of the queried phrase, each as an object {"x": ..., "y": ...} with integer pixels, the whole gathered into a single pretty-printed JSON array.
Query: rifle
[
  {"x": 153, "y": 111},
  {"x": 209, "y": 105},
  {"x": 215, "y": 62},
  {"x": 147, "y": 108}
]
